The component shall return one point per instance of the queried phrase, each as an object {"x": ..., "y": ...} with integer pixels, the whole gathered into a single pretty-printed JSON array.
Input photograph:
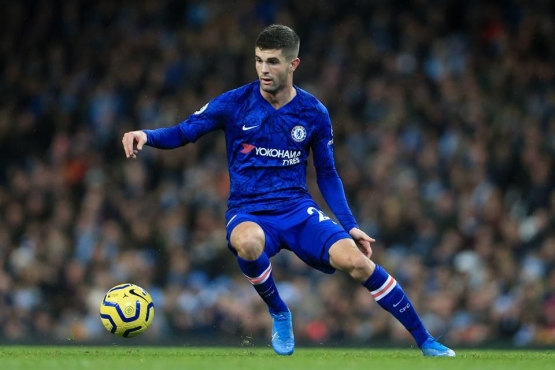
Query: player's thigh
[
  {"x": 311, "y": 235},
  {"x": 245, "y": 230}
]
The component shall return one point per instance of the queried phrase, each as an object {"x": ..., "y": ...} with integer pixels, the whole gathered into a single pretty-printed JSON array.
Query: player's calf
[{"x": 391, "y": 297}]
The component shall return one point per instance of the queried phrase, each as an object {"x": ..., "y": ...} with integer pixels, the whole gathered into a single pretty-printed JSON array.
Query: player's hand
[
  {"x": 128, "y": 141},
  {"x": 362, "y": 241}
]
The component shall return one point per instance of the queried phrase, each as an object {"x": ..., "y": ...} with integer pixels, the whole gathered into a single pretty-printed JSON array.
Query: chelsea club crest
[{"x": 298, "y": 133}]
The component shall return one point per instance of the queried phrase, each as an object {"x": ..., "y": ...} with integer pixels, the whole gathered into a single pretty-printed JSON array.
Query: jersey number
[{"x": 321, "y": 215}]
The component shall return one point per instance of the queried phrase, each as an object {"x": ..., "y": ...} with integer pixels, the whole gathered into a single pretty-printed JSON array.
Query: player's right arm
[{"x": 203, "y": 121}]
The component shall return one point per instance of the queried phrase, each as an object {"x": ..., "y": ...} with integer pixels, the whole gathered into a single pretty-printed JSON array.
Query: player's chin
[{"x": 269, "y": 88}]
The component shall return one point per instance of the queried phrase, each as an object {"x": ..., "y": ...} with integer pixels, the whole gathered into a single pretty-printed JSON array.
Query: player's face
[{"x": 274, "y": 70}]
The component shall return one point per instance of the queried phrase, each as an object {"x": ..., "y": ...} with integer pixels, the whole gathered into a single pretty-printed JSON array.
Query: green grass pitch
[{"x": 243, "y": 358}]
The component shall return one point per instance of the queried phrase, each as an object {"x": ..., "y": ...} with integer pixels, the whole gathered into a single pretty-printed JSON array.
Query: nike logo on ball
[
  {"x": 132, "y": 291},
  {"x": 245, "y": 128}
]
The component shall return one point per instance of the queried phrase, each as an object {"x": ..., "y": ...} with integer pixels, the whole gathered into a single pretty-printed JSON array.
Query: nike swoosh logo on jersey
[
  {"x": 397, "y": 304},
  {"x": 245, "y": 128}
]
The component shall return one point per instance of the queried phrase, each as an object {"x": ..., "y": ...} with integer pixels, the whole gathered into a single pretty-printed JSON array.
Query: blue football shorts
[{"x": 302, "y": 228}]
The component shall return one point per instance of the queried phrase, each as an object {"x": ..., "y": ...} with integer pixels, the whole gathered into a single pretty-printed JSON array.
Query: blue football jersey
[{"x": 267, "y": 148}]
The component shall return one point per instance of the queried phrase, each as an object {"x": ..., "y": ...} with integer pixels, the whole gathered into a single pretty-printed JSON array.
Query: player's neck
[{"x": 280, "y": 98}]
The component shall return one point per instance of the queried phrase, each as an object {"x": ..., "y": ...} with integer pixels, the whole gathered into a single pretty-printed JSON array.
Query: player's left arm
[{"x": 331, "y": 186}]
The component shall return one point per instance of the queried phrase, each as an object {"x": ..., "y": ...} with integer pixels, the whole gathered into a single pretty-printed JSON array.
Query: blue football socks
[
  {"x": 391, "y": 297},
  {"x": 259, "y": 273}
]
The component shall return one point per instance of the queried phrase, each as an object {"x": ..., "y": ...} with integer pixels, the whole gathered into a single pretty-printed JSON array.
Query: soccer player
[{"x": 270, "y": 127}]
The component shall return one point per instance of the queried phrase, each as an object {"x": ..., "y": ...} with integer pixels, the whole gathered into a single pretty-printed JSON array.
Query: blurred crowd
[{"x": 444, "y": 122}]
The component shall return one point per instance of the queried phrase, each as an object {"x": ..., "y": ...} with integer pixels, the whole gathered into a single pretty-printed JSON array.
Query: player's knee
[
  {"x": 345, "y": 256},
  {"x": 248, "y": 240},
  {"x": 360, "y": 267}
]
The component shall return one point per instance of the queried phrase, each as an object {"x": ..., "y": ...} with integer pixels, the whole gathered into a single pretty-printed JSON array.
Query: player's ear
[{"x": 294, "y": 64}]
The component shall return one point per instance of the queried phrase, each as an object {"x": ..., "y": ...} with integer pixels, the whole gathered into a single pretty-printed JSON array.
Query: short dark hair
[{"x": 280, "y": 37}]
